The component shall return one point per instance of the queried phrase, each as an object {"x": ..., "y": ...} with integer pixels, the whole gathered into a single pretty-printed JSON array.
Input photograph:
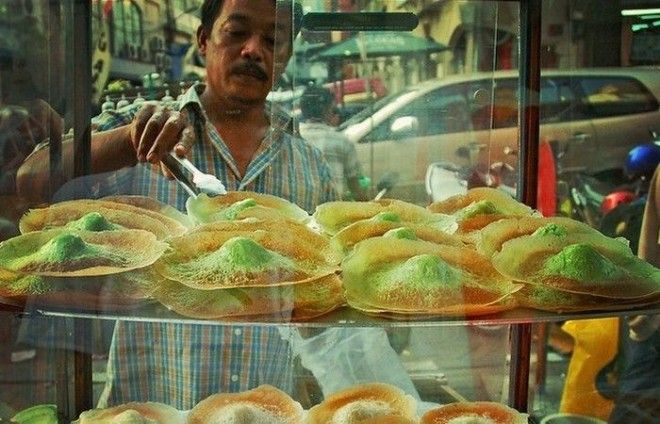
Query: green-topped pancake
[
  {"x": 402, "y": 233},
  {"x": 344, "y": 240},
  {"x": 421, "y": 272},
  {"x": 232, "y": 212},
  {"x": 332, "y": 217},
  {"x": 387, "y": 216},
  {"x": 99, "y": 215},
  {"x": 551, "y": 229},
  {"x": 238, "y": 205},
  {"x": 582, "y": 262},
  {"x": 587, "y": 263},
  {"x": 93, "y": 221},
  {"x": 78, "y": 253},
  {"x": 491, "y": 238},
  {"x": 257, "y": 254},
  {"x": 481, "y": 207},
  {"x": 549, "y": 299},
  {"x": 290, "y": 302},
  {"x": 384, "y": 274},
  {"x": 65, "y": 248},
  {"x": 239, "y": 262}
]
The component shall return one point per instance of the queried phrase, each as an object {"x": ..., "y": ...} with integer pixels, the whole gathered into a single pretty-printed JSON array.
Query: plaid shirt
[
  {"x": 181, "y": 364},
  {"x": 337, "y": 150}
]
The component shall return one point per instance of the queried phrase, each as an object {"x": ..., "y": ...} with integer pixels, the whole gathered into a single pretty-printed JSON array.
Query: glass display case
[{"x": 405, "y": 217}]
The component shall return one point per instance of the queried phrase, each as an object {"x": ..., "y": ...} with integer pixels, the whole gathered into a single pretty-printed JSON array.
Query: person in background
[
  {"x": 638, "y": 395},
  {"x": 320, "y": 118},
  {"x": 246, "y": 44}
]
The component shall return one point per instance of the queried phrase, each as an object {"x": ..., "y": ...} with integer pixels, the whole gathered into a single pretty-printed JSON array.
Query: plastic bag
[
  {"x": 342, "y": 357},
  {"x": 596, "y": 346}
]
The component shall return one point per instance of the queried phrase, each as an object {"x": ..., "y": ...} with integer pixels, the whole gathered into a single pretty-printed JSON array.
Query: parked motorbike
[
  {"x": 445, "y": 179},
  {"x": 623, "y": 209}
]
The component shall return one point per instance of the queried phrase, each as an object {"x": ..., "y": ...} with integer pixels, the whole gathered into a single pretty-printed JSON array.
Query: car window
[
  {"x": 494, "y": 104},
  {"x": 441, "y": 111},
  {"x": 612, "y": 96},
  {"x": 559, "y": 101},
  {"x": 371, "y": 109}
]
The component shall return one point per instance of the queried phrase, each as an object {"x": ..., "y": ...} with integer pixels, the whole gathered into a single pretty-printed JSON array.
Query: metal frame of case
[{"x": 76, "y": 366}]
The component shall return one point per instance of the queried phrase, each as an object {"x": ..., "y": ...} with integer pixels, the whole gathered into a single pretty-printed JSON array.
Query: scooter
[{"x": 623, "y": 209}]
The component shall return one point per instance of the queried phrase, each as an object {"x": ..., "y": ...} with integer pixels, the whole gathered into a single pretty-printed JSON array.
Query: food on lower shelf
[
  {"x": 332, "y": 217},
  {"x": 388, "y": 419},
  {"x": 474, "y": 413},
  {"x": 38, "y": 414},
  {"x": 66, "y": 253},
  {"x": 413, "y": 277},
  {"x": 369, "y": 401},
  {"x": 98, "y": 215},
  {"x": 264, "y": 404},
  {"x": 133, "y": 413},
  {"x": 479, "y": 207},
  {"x": 237, "y": 205}
]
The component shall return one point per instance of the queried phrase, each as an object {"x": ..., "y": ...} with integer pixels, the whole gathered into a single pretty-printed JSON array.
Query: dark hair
[
  {"x": 210, "y": 10},
  {"x": 315, "y": 102}
]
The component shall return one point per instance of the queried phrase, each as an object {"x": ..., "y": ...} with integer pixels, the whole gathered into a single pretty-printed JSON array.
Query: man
[
  {"x": 638, "y": 396},
  {"x": 318, "y": 112},
  {"x": 245, "y": 43}
]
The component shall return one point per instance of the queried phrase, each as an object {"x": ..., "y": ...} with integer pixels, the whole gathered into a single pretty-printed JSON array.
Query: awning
[{"x": 380, "y": 44}]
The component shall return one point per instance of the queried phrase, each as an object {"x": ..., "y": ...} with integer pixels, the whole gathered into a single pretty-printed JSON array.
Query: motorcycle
[
  {"x": 623, "y": 210},
  {"x": 446, "y": 179}
]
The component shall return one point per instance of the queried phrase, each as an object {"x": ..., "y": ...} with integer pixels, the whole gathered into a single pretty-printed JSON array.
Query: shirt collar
[{"x": 279, "y": 118}]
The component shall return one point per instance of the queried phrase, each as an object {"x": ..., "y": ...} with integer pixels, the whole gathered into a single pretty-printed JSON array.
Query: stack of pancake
[
  {"x": 86, "y": 254},
  {"x": 249, "y": 268},
  {"x": 250, "y": 255},
  {"x": 246, "y": 254},
  {"x": 402, "y": 261},
  {"x": 567, "y": 266}
]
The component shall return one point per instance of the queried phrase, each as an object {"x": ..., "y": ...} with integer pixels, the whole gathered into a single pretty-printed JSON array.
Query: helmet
[
  {"x": 613, "y": 200},
  {"x": 642, "y": 160}
]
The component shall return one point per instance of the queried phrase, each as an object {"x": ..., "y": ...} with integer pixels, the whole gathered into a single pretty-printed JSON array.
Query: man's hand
[{"x": 157, "y": 130}]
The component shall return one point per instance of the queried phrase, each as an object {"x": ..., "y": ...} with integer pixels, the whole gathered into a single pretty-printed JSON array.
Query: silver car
[{"x": 593, "y": 116}]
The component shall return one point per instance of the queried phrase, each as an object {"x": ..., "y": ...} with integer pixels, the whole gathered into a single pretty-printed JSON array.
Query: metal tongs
[{"x": 197, "y": 182}]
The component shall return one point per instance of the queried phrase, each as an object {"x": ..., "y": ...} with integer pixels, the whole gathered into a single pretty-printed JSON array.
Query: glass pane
[{"x": 420, "y": 101}]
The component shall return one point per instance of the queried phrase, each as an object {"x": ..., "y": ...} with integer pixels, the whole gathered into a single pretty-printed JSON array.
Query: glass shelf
[{"x": 344, "y": 316}]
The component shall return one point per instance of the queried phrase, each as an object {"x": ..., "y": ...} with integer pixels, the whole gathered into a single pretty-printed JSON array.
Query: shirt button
[
  {"x": 234, "y": 378},
  {"x": 238, "y": 332}
]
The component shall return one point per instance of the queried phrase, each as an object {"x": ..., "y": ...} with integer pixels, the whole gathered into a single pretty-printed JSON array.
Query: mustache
[{"x": 251, "y": 69}]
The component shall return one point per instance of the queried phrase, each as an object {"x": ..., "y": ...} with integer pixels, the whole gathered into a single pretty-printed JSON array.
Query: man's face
[{"x": 248, "y": 45}]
